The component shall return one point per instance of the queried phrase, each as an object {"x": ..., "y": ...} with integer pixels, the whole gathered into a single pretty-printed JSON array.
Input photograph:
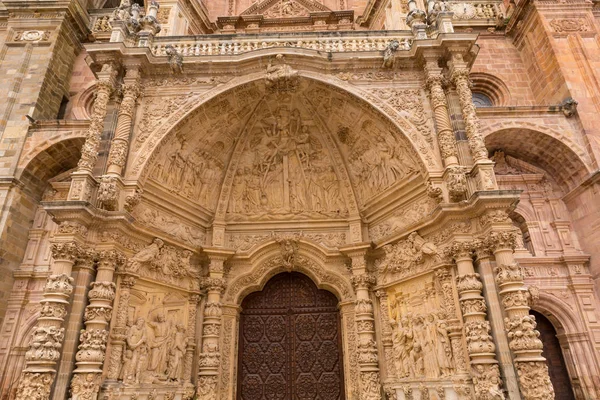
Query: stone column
[
  {"x": 484, "y": 167},
  {"x": 459, "y": 72},
  {"x": 119, "y": 146},
  {"x": 82, "y": 182},
  {"x": 118, "y": 333},
  {"x": 210, "y": 357},
  {"x": 85, "y": 383},
  {"x": 480, "y": 345},
  {"x": 454, "y": 174},
  {"x": 484, "y": 261},
  {"x": 105, "y": 86},
  {"x": 46, "y": 341},
  {"x": 368, "y": 360},
  {"x": 523, "y": 337},
  {"x": 110, "y": 184}
]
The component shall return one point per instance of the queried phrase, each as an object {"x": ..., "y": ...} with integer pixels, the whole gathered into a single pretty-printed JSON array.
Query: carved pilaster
[
  {"x": 119, "y": 330},
  {"x": 193, "y": 302},
  {"x": 48, "y": 335},
  {"x": 368, "y": 360},
  {"x": 523, "y": 337},
  {"x": 104, "y": 89},
  {"x": 93, "y": 339},
  {"x": 210, "y": 358}
]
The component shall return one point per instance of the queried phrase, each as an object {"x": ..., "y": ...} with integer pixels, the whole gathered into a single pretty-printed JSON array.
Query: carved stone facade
[{"x": 299, "y": 199}]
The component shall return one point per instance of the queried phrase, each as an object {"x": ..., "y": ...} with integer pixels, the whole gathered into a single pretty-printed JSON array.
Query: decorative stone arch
[
  {"x": 564, "y": 160},
  {"x": 266, "y": 262},
  {"x": 138, "y": 163},
  {"x": 559, "y": 313}
]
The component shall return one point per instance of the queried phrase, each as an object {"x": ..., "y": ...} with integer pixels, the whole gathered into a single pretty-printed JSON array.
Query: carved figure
[
  {"x": 388, "y": 53},
  {"x": 280, "y": 76},
  {"x": 146, "y": 255},
  {"x": 176, "y": 353},
  {"x": 159, "y": 346},
  {"x": 137, "y": 344},
  {"x": 175, "y": 59}
]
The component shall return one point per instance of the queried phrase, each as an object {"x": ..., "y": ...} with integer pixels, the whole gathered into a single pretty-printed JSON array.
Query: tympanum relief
[{"x": 285, "y": 169}]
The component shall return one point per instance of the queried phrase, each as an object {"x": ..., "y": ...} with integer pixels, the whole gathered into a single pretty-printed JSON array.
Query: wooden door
[{"x": 290, "y": 343}]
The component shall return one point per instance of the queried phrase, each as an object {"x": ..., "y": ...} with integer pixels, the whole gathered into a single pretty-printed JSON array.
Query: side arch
[{"x": 566, "y": 161}]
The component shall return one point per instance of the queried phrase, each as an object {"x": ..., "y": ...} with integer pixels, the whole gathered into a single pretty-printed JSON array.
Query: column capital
[
  {"x": 461, "y": 250},
  {"x": 66, "y": 251},
  {"x": 502, "y": 240}
]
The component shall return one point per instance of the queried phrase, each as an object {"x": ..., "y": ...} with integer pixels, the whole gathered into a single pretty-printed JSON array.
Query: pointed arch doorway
[{"x": 290, "y": 342}]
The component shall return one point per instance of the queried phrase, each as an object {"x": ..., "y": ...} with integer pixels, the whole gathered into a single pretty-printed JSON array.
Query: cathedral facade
[{"x": 299, "y": 199}]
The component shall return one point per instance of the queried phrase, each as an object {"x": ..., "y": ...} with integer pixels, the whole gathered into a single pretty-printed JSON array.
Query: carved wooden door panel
[{"x": 290, "y": 343}]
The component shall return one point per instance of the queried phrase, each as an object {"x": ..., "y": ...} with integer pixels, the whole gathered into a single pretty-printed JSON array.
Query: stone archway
[
  {"x": 554, "y": 358},
  {"x": 290, "y": 342}
]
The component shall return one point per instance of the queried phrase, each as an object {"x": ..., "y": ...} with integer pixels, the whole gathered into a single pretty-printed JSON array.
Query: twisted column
[
  {"x": 445, "y": 133},
  {"x": 48, "y": 335},
  {"x": 105, "y": 86},
  {"x": 480, "y": 345},
  {"x": 368, "y": 359},
  {"x": 118, "y": 334},
  {"x": 460, "y": 76},
  {"x": 523, "y": 337},
  {"x": 210, "y": 357},
  {"x": 119, "y": 146},
  {"x": 93, "y": 339}
]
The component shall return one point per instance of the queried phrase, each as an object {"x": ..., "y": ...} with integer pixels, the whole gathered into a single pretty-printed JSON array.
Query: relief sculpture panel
[{"x": 156, "y": 337}]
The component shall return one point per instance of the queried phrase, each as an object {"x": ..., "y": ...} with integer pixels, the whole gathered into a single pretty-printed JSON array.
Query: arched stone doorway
[
  {"x": 554, "y": 358},
  {"x": 290, "y": 342}
]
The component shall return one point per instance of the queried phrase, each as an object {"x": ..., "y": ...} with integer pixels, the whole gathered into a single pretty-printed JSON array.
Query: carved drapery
[
  {"x": 47, "y": 339},
  {"x": 523, "y": 337},
  {"x": 93, "y": 339},
  {"x": 119, "y": 330},
  {"x": 104, "y": 89},
  {"x": 480, "y": 345},
  {"x": 119, "y": 146},
  {"x": 460, "y": 76},
  {"x": 368, "y": 359}
]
